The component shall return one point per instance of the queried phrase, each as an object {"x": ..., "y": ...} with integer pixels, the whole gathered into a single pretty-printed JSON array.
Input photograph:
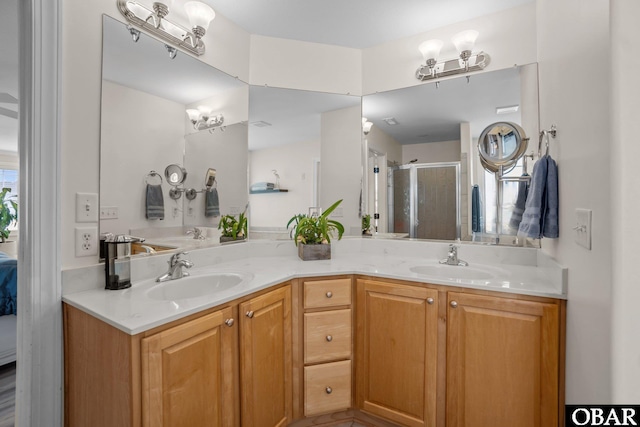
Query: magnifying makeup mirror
[
  {"x": 175, "y": 174},
  {"x": 501, "y": 144}
]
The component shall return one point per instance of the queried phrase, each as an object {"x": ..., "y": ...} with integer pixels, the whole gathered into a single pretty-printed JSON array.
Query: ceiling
[
  {"x": 352, "y": 23},
  {"x": 433, "y": 113}
]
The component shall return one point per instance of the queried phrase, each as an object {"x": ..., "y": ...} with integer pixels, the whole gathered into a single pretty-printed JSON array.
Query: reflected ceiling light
[
  {"x": 366, "y": 126},
  {"x": 202, "y": 119},
  {"x": 507, "y": 110},
  {"x": 391, "y": 121},
  {"x": 155, "y": 22},
  {"x": 467, "y": 62}
]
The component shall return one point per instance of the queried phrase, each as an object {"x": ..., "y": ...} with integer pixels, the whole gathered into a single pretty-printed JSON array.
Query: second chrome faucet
[
  {"x": 176, "y": 264},
  {"x": 452, "y": 257}
]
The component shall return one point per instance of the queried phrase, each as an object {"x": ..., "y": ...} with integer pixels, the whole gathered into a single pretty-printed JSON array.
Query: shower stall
[{"x": 423, "y": 200}]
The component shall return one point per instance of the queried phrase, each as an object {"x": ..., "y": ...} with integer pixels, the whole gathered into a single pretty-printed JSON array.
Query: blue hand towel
[
  {"x": 476, "y": 223},
  {"x": 550, "y": 227},
  {"x": 154, "y": 202},
  {"x": 521, "y": 200},
  {"x": 531, "y": 225},
  {"x": 212, "y": 203}
]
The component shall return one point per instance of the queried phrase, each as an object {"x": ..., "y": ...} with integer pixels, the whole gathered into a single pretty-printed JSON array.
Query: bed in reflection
[{"x": 8, "y": 308}]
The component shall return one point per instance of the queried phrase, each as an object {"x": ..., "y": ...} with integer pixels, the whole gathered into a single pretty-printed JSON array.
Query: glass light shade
[
  {"x": 194, "y": 115},
  {"x": 430, "y": 49},
  {"x": 205, "y": 110},
  {"x": 366, "y": 127},
  {"x": 200, "y": 14},
  {"x": 465, "y": 40}
]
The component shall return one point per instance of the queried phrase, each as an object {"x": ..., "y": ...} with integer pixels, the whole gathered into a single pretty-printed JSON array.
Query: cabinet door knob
[
  {"x": 249, "y": 314},
  {"x": 329, "y": 294},
  {"x": 329, "y": 390},
  {"x": 329, "y": 338},
  {"x": 429, "y": 301},
  {"x": 454, "y": 304},
  {"x": 229, "y": 322}
]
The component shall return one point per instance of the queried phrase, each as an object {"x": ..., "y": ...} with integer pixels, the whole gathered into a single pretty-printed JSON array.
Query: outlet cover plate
[
  {"x": 86, "y": 207},
  {"x": 582, "y": 230},
  {"x": 86, "y": 241}
]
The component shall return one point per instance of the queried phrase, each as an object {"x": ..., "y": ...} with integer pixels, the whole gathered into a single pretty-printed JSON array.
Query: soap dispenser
[{"x": 117, "y": 262}]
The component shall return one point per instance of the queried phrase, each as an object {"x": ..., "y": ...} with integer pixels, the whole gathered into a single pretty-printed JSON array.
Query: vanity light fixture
[
  {"x": 155, "y": 22},
  {"x": 467, "y": 62},
  {"x": 202, "y": 119}
]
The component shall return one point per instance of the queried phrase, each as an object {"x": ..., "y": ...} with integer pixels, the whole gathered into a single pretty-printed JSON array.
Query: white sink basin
[
  {"x": 452, "y": 272},
  {"x": 195, "y": 286}
]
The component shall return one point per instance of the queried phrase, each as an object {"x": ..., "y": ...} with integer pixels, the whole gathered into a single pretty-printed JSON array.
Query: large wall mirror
[
  {"x": 422, "y": 158},
  {"x": 286, "y": 141},
  {"x": 145, "y": 129}
]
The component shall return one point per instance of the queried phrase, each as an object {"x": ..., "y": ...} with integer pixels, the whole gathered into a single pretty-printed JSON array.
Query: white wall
[
  {"x": 294, "y": 163},
  {"x": 578, "y": 103},
  {"x": 381, "y": 142},
  {"x": 432, "y": 152},
  {"x": 625, "y": 201},
  {"x": 340, "y": 165},
  {"x": 509, "y": 37},
  {"x": 303, "y": 65},
  {"x": 227, "y": 50},
  {"x": 135, "y": 142},
  {"x": 227, "y": 153}
]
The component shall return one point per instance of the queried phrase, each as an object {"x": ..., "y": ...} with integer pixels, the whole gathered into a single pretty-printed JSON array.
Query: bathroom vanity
[{"x": 376, "y": 335}]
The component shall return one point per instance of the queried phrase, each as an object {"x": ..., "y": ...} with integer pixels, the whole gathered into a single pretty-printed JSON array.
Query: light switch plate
[
  {"x": 582, "y": 230},
  {"x": 86, "y": 207}
]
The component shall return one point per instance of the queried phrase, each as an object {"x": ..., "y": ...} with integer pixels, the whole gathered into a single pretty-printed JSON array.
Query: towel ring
[
  {"x": 545, "y": 134},
  {"x": 152, "y": 174}
]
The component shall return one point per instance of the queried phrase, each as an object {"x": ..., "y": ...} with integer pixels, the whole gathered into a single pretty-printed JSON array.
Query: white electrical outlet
[
  {"x": 234, "y": 210},
  {"x": 86, "y": 207},
  {"x": 86, "y": 241},
  {"x": 582, "y": 229},
  {"x": 338, "y": 213}
]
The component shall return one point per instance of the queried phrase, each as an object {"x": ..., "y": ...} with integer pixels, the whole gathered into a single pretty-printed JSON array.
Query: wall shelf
[{"x": 275, "y": 190}]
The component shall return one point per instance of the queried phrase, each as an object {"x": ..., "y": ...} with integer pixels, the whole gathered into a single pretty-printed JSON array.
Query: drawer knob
[
  {"x": 454, "y": 304},
  {"x": 430, "y": 301},
  {"x": 329, "y": 338},
  {"x": 329, "y": 294},
  {"x": 229, "y": 322},
  {"x": 329, "y": 390},
  {"x": 249, "y": 314}
]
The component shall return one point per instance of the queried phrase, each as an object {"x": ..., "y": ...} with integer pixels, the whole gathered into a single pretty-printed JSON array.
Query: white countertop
[{"x": 266, "y": 263}]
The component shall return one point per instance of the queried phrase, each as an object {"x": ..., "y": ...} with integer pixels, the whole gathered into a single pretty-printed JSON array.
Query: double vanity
[{"x": 383, "y": 334}]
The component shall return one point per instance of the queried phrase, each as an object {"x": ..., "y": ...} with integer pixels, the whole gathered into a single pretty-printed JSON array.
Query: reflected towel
[
  {"x": 154, "y": 202},
  {"x": 550, "y": 227},
  {"x": 476, "y": 223},
  {"x": 521, "y": 200},
  {"x": 212, "y": 203},
  {"x": 531, "y": 225},
  {"x": 262, "y": 186}
]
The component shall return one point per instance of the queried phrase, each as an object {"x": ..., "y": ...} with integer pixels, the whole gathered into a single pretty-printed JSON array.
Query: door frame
[{"x": 39, "y": 381}]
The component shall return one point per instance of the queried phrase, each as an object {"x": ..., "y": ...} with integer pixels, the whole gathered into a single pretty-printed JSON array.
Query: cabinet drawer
[
  {"x": 327, "y": 293},
  {"x": 327, "y": 336},
  {"x": 327, "y": 387}
]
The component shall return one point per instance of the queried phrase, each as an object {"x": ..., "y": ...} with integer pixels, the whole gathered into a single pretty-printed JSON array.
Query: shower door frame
[{"x": 413, "y": 195}]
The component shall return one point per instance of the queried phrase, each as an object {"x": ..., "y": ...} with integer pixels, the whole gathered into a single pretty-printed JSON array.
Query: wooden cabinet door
[
  {"x": 265, "y": 359},
  {"x": 396, "y": 339},
  {"x": 188, "y": 375},
  {"x": 502, "y": 362}
]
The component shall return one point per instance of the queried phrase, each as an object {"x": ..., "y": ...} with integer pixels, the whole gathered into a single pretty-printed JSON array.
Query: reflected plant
[
  {"x": 232, "y": 227},
  {"x": 8, "y": 213}
]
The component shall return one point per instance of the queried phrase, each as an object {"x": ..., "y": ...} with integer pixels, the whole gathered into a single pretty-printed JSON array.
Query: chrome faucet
[
  {"x": 175, "y": 268},
  {"x": 452, "y": 257},
  {"x": 197, "y": 233}
]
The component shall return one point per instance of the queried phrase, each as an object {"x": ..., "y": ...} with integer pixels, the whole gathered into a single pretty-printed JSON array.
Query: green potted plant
[
  {"x": 366, "y": 225},
  {"x": 233, "y": 228},
  {"x": 312, "y": 233},
  {"x": 8, "y": 217}
]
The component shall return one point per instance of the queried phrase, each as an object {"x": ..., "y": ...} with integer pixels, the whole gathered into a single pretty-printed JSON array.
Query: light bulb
[
  {"x": 430, "y": 49},
  {"x": 200, "y": 14},
  {"x": 194, "y": 115},
  {"x": 205, "y": 110},
  {"x": 465, "y": 40}
]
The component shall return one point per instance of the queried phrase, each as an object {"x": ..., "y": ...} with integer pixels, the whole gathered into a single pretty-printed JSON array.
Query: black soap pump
[{"x": 117, "y": 264}]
